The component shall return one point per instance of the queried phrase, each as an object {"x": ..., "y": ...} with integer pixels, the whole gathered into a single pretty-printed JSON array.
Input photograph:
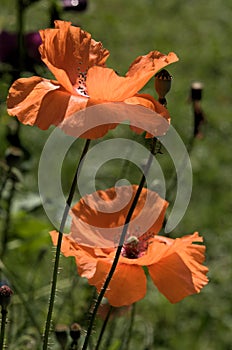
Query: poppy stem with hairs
[
  {"x": 121, "y": 242},
  {"x": 3, "y": 325},
  {"x": 103, "y": 328},
  {"x": 58, "y": 247},
  {"x": 5, "y": 298}
]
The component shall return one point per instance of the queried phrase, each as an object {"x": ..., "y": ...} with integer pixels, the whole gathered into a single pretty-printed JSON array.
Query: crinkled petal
[
  {"x": 98, "y": 218},
  {"x": 127, "y": 286},
  {"x": 42, "y": 102},
  {"x": 68, "y": 50},
  {"x": 105, "y": 82},
  {"x": 86, "y": 257},
  {"x": 148, "y": 65},
  {"x": 177, "y": 270}
]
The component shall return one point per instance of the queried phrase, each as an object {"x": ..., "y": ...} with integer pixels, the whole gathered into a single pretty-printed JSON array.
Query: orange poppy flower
[
  {"x": 174, "y": 265},
  {"x": 82, "y": 80}
]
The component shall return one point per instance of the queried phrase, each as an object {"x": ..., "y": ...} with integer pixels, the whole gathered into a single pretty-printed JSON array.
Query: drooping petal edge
[{"x": 179, "y": 271}]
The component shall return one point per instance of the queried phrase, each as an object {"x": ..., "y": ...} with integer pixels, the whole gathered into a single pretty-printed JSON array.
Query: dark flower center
[{"x": 134, "y": 247}]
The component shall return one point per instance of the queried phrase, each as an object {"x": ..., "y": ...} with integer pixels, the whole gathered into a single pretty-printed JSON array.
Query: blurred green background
[{"x": 199, "y": 33}]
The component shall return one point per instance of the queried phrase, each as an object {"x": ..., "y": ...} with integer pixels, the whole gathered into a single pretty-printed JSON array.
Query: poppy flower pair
[
  {"x": 82, "y": 80},
  {"x": 174, "y": 265}
]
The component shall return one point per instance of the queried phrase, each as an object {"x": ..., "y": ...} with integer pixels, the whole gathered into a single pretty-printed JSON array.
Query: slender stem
[
  {"x": 74, "y": 345},
  {"x": 6, "y": 227},
  {"x": 129, "y": 331},
  {"x": 121, "y": 241},
  {"x": 58, "y": 248},
  {"x": 4, "y": 181},
  {"x": 110, "y": 335},
  {"x": 103, "y": 328},
  {"x": 3, "y": 326}
]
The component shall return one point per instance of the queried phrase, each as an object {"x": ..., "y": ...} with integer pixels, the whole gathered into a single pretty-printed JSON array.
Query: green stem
[
  {"x": 58, "y": 248},
  {"x": 110, "y": 335},
  {"x": 17, "y": 288},
  {"x": 3, "y": 326},
  {"x": 74, "y": 345},
  {"x": 6, "y": 227},
  {"x": 121, "y": 242},
  {"x": 103, "y": 328},
  {"x": 129, "y": 331}
]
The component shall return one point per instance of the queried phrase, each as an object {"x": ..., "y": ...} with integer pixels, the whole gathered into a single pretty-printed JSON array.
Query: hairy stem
[
  {"x": 58, "y": 247},
  {"x": 6, "y": 225},
  {"x": 103, "y": 328},
  {"x": 121, "y": 242},
  {"x": 3, "y": 326}
]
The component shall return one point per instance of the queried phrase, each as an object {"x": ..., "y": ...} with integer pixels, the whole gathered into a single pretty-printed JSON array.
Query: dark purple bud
[
  {"x": 8, "y": 47},
  {"x": 32, "y": 42},
  {"x": 5, "y": 296}
]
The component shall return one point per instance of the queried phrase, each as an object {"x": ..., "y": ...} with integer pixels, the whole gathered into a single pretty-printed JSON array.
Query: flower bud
[
  {"x": 61, "y": 332},
  {"x": 75, "y": 331},
  {"x": 196, "y": 91},
  {"x": 199, "y": 116},
  {"x": 5, "y": 296}
]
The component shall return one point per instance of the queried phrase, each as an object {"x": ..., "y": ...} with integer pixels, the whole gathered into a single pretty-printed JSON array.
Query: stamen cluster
[
  {"x": 81, "y": 84},
  {"x": 134, "y": 247}
]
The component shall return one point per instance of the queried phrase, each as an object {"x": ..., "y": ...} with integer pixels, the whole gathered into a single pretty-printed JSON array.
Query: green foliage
[{"x": 199, "y": 33}]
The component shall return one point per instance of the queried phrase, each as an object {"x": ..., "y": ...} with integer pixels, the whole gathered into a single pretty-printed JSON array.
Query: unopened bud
[
  {"x": 199, "y": 116},
  {"x": 196, "y": 91},
  {"x": 75, "y": 331},
  {"x": 61, "y": 332},
  {"x": 163, "y": 82},
  {"x": 5, "y": 296}
]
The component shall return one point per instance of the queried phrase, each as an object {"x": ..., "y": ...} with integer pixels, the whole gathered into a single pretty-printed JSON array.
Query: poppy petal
[
  {"x": 150, "y": 64},
  {"x": 127, "y": 286},
  {"x": 98, "y": 218},
  {"x": 179, "y": 271},
  {"x": 105, "y": 82},
  {"x": 41, "y": 102},
  {"x": 68, "y": 51},
  {"x": 149, "y": 102},
  {"x": 85, "y": 257},
  {"x": 101, "y": 116}
]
